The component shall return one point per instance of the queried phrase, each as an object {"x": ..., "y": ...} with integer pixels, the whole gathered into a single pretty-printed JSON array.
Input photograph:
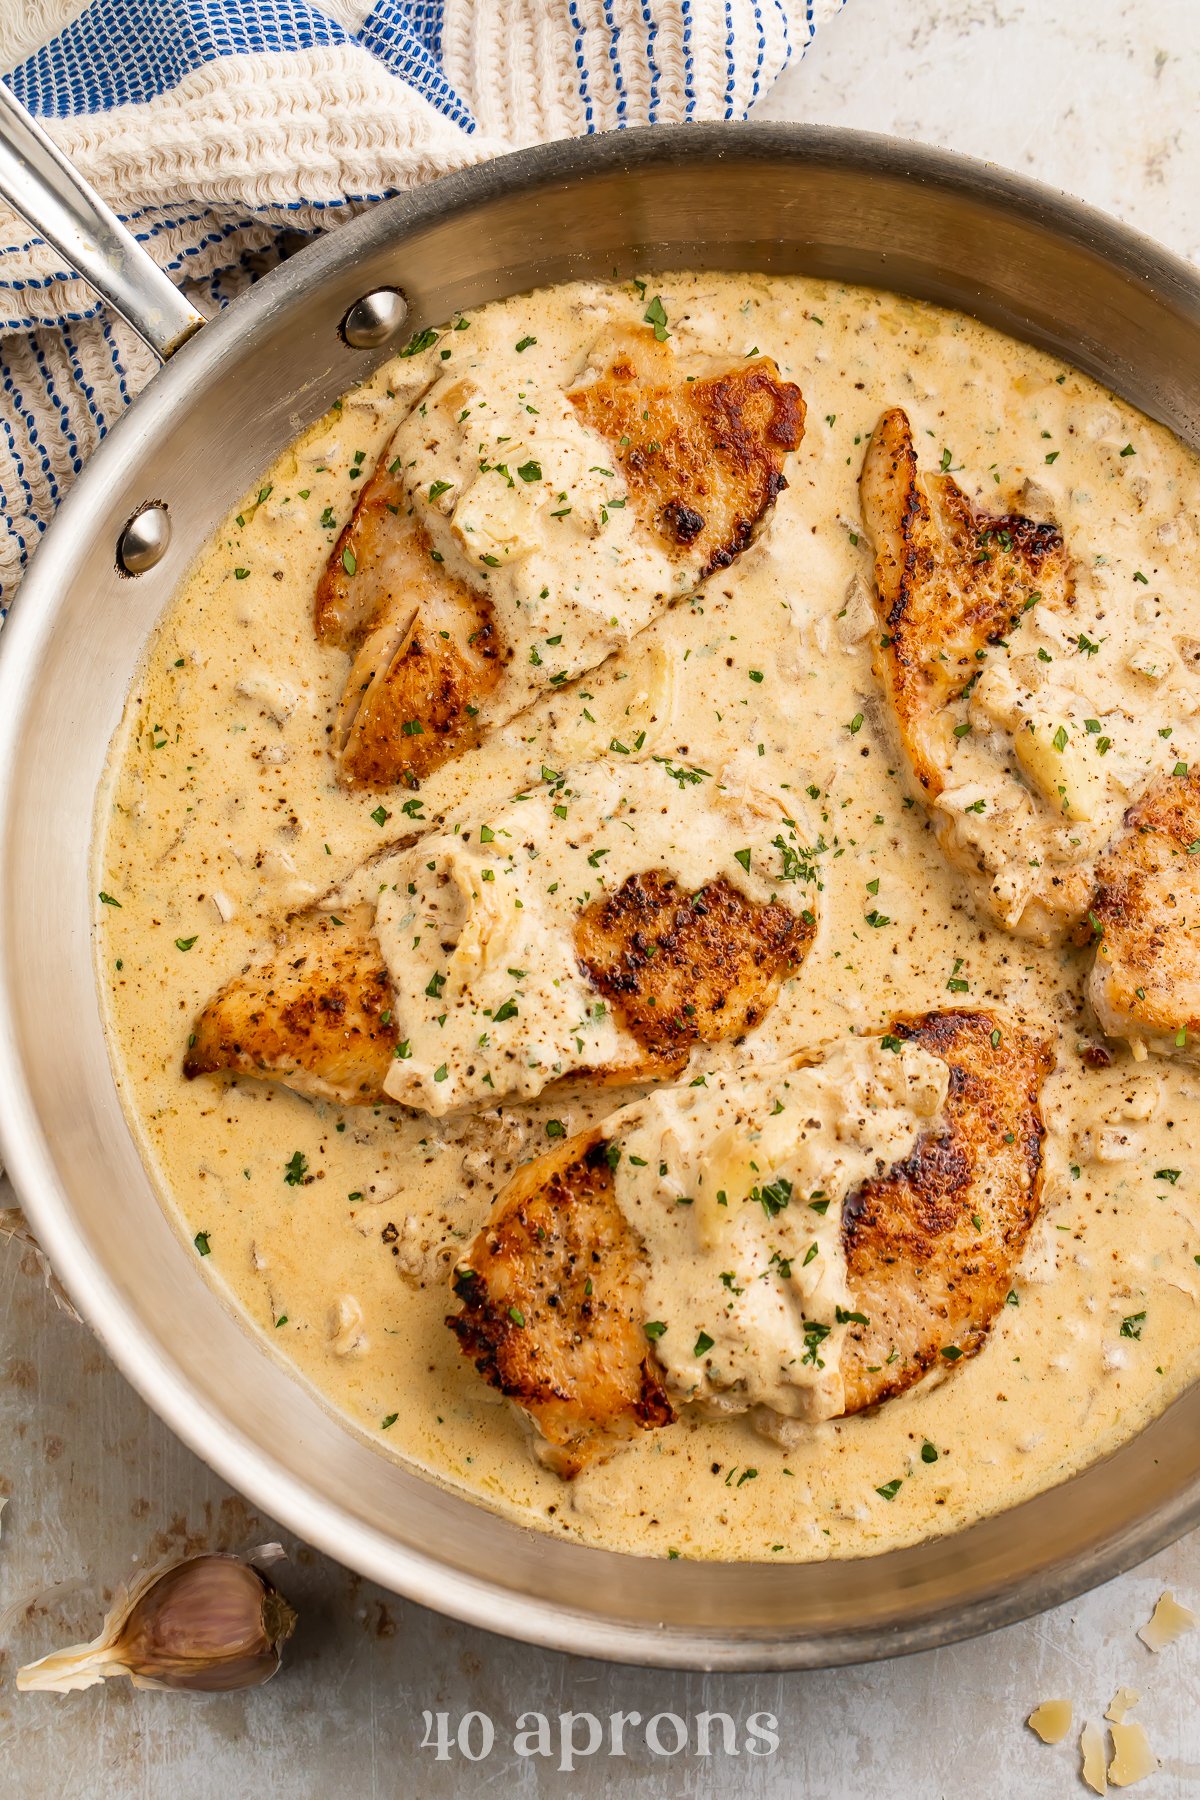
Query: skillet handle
[{"x": 40, "y": 184}]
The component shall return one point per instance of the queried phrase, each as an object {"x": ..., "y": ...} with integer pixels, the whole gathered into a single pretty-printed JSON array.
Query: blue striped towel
[{"x": 217, "y": 127}]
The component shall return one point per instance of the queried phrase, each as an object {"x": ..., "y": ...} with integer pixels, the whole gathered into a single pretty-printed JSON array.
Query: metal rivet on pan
[
  {"x": 374, "y": 319},
  {"x": 144, "y": 541}
]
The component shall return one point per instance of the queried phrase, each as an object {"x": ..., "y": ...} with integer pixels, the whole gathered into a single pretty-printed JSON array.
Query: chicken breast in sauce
[
  {"x": 847, "y": 1228},
  {"x": 515, "y": 533},
  {"x": 1145, "y": 982},
  {"x": 1022, "y": 738},
  {"x": 598, "y": 927}
]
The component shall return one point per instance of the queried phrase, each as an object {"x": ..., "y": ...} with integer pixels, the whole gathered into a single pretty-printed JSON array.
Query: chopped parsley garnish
[
  {"x": 525, "y": 343},
  {"x": 185, "y": 943},
  {"x": 202, "y": 1244},
  {"x": 703, "y": 1344},
  {"x": 890, "y": 1489},
  {"x": 108, "y": 899},
  {"x": 773, "y": 1196},
  {"x": 654, "y": 1328},
  {"x": 1132, "y": 1326},
  {"x": 296, "y": 1168},
  {"x": 798, "y": 863},
  {"x": 656, "y": 315},
  {"x": 420, "y": 340}
]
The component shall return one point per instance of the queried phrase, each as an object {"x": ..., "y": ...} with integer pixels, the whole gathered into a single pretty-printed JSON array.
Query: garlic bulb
[{"x": 208, "y": 1624}]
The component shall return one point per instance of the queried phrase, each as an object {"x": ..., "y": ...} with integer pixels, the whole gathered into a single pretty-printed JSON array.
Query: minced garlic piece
[
  {"x": 1051, "y": 1720},
  {"x": 1091, "y": 1743},
  {"x": 1133, "y": 1758},
  {"x": 1122, "y": 1701},
  {"x": 347, "y": 1334},
  {"x": 1168, "y": 1621}
]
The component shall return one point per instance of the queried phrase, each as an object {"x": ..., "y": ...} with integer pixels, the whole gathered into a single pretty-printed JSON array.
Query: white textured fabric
[{"x": 210, "y": 169}]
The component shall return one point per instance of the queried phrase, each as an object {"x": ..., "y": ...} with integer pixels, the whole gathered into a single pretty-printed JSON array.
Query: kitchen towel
[{"x": 221, "y": 129}]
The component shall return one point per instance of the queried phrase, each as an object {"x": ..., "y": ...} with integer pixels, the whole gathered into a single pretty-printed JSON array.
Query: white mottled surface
[{"x": 1099, "y": 97}]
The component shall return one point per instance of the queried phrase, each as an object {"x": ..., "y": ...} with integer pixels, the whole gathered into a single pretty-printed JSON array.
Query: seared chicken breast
[
  {"x": 703, "y": 457},
  {"x": 597, "y": 928},
  {"x": 933, "y": 1243},
  {"x": 953, "y": 583},
  {"x": 313, "y": 1014},
  {"x": 423, "y": 642},
  {"x": 567, "y": 1289},
  {"x": 480, "y": 564},
  {"x": 552, "y": 1307},
  {"x": 1029, "y": 714},
  {"x": 1145, "y": 982}
]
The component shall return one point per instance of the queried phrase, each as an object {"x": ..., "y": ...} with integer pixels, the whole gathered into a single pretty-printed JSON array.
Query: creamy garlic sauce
[{"x": 332, "y": 1232}]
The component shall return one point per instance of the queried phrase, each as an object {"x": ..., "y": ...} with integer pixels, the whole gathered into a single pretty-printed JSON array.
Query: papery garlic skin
[{"x": 209, "y": 1624}]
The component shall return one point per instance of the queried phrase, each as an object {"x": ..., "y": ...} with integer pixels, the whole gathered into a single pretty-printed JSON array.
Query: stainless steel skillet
[{"x": 780, "y": 198}]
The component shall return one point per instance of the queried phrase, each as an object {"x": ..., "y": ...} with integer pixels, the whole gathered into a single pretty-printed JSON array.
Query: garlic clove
[{"x": 208, "y": 1624}]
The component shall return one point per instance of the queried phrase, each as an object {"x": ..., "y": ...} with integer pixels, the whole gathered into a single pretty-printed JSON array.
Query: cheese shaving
[
  {"x": 1168, "y": 1621},
  {"x": 1133, "y": 1758},
  {"x": 1122, "y": 1702},
  {"x": 1051, "y": 1720},
  {"x": 1091, "y": 1743}
]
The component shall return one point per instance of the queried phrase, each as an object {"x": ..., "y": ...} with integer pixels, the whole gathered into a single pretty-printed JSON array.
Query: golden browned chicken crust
[
  {"x": 682, "y": 969},
  {"x": 932, "y": 1245},
  {"x": 314, "y": 1015},
  {"x": 678, "y": 969},
  {"x": 931, "y": 1248},
  {"x": 551, "y": 1292},
  {"x": 425, "y": 644},
  {"x": 703, "y": 458},
  {"x": 950, "y": 580},
  {"x": 415, "y": 685},
  {"x": 361, "y": 580},
  {"x": 1145, "y": 983}
]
